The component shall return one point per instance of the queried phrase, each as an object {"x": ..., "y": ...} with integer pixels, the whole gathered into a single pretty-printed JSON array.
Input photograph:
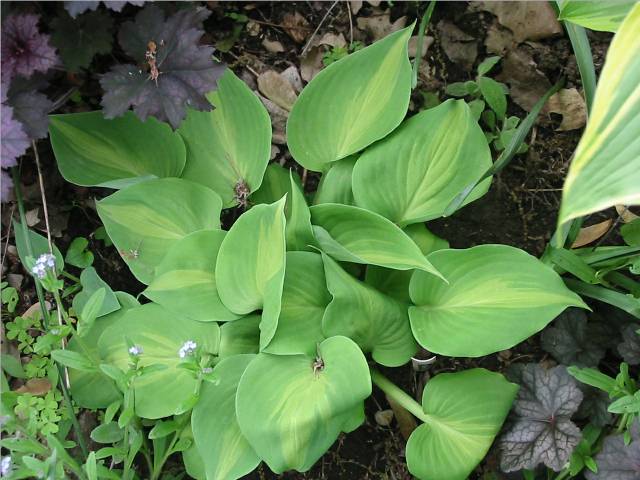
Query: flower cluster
[
  {"x": 136, "y": 350},
  {"x": 45, "y": 262},
  {"x": 188, "y": 348},
  {"x": 5, "y": 466}
]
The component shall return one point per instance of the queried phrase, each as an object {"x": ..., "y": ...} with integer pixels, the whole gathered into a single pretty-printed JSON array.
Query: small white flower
[
  {"x": 136, "y": 350},
  {"x": 207, "y": 370},
  {"x": 5, "y": 466},
  {"x": 45, "y": 262},
  {"x": 188, "y": 348}
]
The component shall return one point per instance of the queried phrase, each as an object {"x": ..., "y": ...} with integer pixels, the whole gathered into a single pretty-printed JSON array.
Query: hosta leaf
[
  {"x": 240, "y": 336},
  {"x": 228, "y": 148},
  {"x": 251, "y": 265},
  {"x": 617, "y": 460},
  {"x": 91, "y": 282},
  {"x": 94, "y": 389},
  {"x": 395, "y": 283},
  {"x": 186, "y": 70},
  {"x": 352, "y": 103},
  {"x": 39, "y": 244},
  {"x": 275, "y": 184},
  {"x": 542, "y": 431},
  {"x": 572, "y": 340},
  {"x": 226, "y": 453},
  {"x": 145, "y": 220},
  {"x": 605, "y": 170},
  {"x": 291, "y": 414},
  {"x": 497, "y": 296},
  {"x": 412, "y": 175},
  {"x": 596, "y": 15},
  {"x": 353, "y": 234},
  {"x": 377, "y": 323},
  {"x": 94, "y": 151},
  {"x": 304, "y": 299},
  {"x": 161, "y": 335},
  {"x": 463, "y": 413},
  {"x": 79, "y": 40},
  {"x": 185, "y": 280},
  {"x": 335, "y": 183},
  {"x": 299, "y": 231}
]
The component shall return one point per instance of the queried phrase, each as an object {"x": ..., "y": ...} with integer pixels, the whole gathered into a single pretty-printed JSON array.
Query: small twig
[
  {"x": 256, "y": 74},
  {"x": 350, "y": 23},
  {"x": 62, "y": 99},
  {"x": 315, "y": 32},
  {"x": 6, "y": 245}
]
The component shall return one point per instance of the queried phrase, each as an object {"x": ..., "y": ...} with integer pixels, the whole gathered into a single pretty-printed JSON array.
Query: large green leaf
[
  {"x": 600, "y": 15},
  {"x": 299, "y": 231},
  {"x": 91, "y": 282},
  {"x": 148, "y": 218},
  {"x": 413, "y": 174},
  {"x": 230, "y": 146},
  {"x": 94, "y": 151},
  {"x": 335, "y": 183},
  {"x": 185, "y": 280},
  {"x": 160, "y": 334},
  {"x": 251, "y": 264},
  {"x": 352, "y": 103},
  {"x": 497, "y": 296},
  {"x": 463, "y": 413},
  {"x": 377, "y": 323},
  {"x": 605, "y": 170},
  {"x": 226, "y": 453},
  {"x": 353, "y": 234},
  {"x": 39, "y": 244},
  {"x": 93, "y": 389},
  {"x": 275, "y": 185},
  {"x": 304, "y": 299},
  {"x": 240, "y": 336},
  {"x": 291, "y": 412}
]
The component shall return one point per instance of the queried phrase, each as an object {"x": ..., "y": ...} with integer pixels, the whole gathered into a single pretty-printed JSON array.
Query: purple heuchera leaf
[
  {"x": 31, "y": 109},
  {"x": 617, "y": 461},
  {"x": 24, "y": 49},
  {"x": 76, "y": 8},
  {"x": 629, "y": 348},
  {"x": 542, "y": 430},
  {"x": 14, "y": 139},
  {"x": 176, "y": 70}
]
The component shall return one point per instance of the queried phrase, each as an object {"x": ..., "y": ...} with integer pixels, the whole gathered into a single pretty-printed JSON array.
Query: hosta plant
[{"x": 269, "y": 330}]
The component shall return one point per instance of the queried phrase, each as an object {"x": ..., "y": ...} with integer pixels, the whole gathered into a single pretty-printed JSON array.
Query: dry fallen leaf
[
  {"x": 356, "y": 5},
  {"x": 569, "y": 103},
  {"x": 591, "y": 233},
  {"x": 406, "y": 422},
  {"x": 499, "y": 40},
  {"x": 527, "y": 20},
  {"x": 379, "y": 25},
  {"x": 384, "y": 417},
  {"x": 311, "y": 63},
  {"x": 35, "y": 386},
  {"x": 292, "y": 76},
  {"x": 457, "y": 45},
  {"x": 413, "y": 45},
  {"x": 272, "y": 46},
  {"x": 32, "y": 217},
  {"x": 15, "y": 280},
  {"x": 277, "y": 89},
  {"x": 296, "y": 26},
  {"x": 627, "y": 215},
  {"x": 35, "y": 309},
  {"x": 333, "y": 40},
  {"x": 527, "y": 83},
  {"x": 278, "y": 120}
]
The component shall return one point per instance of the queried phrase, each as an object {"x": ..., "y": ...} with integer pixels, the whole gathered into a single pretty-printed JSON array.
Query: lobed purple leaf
[
  {"x": 617, "y": 461},
  {"x": 629, "y": 348}
]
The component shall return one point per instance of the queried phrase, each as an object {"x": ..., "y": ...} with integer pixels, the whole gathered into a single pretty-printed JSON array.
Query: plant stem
[
  {"x": 421, "y": 31},
  {"x": 157, "y": 467},
  {"x": 399, "y": 395},
  {"x": 70, "y": 277}
]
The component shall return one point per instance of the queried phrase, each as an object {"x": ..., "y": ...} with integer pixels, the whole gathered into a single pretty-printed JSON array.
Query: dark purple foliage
[
  {"x": 31, "y": 109},
  {"x": 76, "y": 8},
  {"x": 617, "y": 461},
  {"x": 173, "y": 70},
  {"x": 541, "y": 430},
  {"x": 24, "y": 49},
  {"x": 629, "y": 348},
  {"x": 14, "y": 139}
]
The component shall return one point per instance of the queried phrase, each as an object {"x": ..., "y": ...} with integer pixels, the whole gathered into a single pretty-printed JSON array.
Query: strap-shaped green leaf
[
  {"x": 291, "y": 408},
  {"x": 605, "y": 170},
  {"x": 304, "y": 299},
  {"x": 145, "y": 220},
  {"x": 463, "y": 413},
  {"x": 353, "y": 234},
  {"x": 226, "y": 453},
  {"x": 229, "y": 147},
  {"x": 596, "y": 14},
  {"x": 160, "y": 334},
  {"x": 94, "y": 151},
  {"x": 251, "y": 264},
  {"x": 377, "y": 323},
  {"x": 299, "y": 231},
  {"x": 185, "y": 280},
  {"x": 351, "y": 103},
  {"x": 497, "y": 296},
  {"x": 412, "y": 175}
]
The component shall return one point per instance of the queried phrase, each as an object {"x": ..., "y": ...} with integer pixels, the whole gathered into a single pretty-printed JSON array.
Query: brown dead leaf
[
  {"x": 36, "y": 386},
  {"x": 527, "y": 83},
  {"x": 413, "y": 45},
  {"x": 15, "y": 280},
  {"x": 292, "y": 76},
  {"x": 527, "y": 20},
  {"x": 499, "y": 40},
  {"x": 406, "y": 422},
  {"x": 627, "y": 215},
  {"x": 277, "y": 89},
  {"x": 32, "y": 217},
  {"x": 356, "y": 5},
  {"x": 311, "y": 63},
  {"x": 591, "y": 233},
  {"x": 278, "y": 120},
  {"x": 569, "y": 103},
  {"x": 35, "y": 309},
  {"x": 333, "y": 40},
  {"x": 272, "y": 46},
  {"x": 379, "y": 25},
  {"x": 383, "y": 417},
  {"x": 457, "y": 45},
  {"x": 296, "y": 26}
]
